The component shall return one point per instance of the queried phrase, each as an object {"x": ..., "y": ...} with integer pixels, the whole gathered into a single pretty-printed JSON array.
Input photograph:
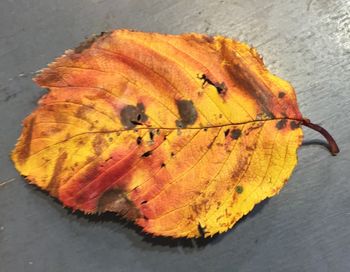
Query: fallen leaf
[{"x": 182, "y": 134}]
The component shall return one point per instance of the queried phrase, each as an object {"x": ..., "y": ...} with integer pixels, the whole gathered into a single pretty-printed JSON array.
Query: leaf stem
[{"x": 332, "y": 145}]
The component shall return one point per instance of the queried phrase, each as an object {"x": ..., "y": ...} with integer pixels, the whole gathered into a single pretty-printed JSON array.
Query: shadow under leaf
[{"x": 106, "y": 217}]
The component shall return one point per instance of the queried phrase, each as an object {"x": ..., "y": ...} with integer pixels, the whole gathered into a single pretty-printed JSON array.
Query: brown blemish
[
  {"x": 281, "y": 124},
  {"x": 116, "y": 200},
  {"x": 139, "y": 140},
  {"x": 49, "y": 78},
  {"x": 227, "y": 131},
  {"x": 89, "y": 42},
  {"x": 253, "y": 127},
  {"x": 188, "y": 113},
  {"x": 147, "y": 154},
  {"x": 201, "y": 230},
  {"x": 162, "y": 165},
  {"x": 131, "y": 116},
  {"x": 196, "y": 209},
  {"x": 208, "y": 38},
  {"x": 81, "y": 112},
  {"x": 250, "y": 148},
  {"x": 81, "y": 142},
  {"x": 239, "y": 168},
  {"x": 294, "y": 125},
  {"x": 220, "y": 87},
  {"x": 24, "y": 149},
  {"x": 281, "y": 94},
  {"x": 244, "y": 78},
  {"x": 151, "y": 135},
  {"x": 236, "y": 133},
  {"x": 172, "y": 154},
  {"x": 54, "y": 184},
  {"x": 98, "y": 144},
  {"x": 239, "y": 189}
]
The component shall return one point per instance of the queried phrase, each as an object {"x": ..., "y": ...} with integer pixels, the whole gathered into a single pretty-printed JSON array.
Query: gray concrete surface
[{"x": 305, "y": 228}]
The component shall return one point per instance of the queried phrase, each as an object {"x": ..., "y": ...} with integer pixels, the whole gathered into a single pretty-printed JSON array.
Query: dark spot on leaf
[
  {"x": 81, "y": 142},
  {"x": 227, "y": 131},
  {"x": 24, "y": 149},
  {"x": 172, "y": 154},
  {"x": 162, "y": 165},
  {"x": 245, "y": 79},
  {"x": 99, "y": 143},
  {"x": 220, "y": 87},
  {"x": 294, "y": 125},
  {"x": 139, "y": 140},
  {"x": 249, "y": 148},
  {"x": 201, "y": 230},
  {"x": 143, "y": 202},
  {"x": 81, "y": 113},
  {"x": 147, "y": 154},
  {"x": 129, "y": 115},
  {"x": 179, "y": 124},
  {"x": 115, "y": 200},
  {"x": 207, "y": 38},
  {"x": 54, "y": 181},
  {"x": 253, "y": 127},
  {"x": 239, "y": 189},
  {"x": 88, "y": 42},
  {"x": 151, "y": 135},
  {"x": 281, "y": 94},
  {"x": 188, "y": 113},
  {"x": 52, "y": 77},
  {"x": 281, "y": 123},
  {"x": 236, "y": 133}
]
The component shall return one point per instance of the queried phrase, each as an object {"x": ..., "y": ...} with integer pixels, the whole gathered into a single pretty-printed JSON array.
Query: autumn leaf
[{"x": 182, "y": 134}]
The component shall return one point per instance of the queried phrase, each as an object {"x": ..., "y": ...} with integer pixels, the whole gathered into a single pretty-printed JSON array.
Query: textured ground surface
[{"x": 304, "y": 228}]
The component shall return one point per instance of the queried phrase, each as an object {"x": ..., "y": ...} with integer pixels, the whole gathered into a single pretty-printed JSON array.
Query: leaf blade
[{"x": 130, "y": 126}]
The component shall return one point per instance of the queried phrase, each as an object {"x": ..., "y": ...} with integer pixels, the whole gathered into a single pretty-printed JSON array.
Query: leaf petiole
[{"x": 332, "y": 145}]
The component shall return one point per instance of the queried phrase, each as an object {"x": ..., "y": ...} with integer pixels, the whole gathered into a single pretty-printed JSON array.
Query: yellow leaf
[{"x": 182, "y": 134}]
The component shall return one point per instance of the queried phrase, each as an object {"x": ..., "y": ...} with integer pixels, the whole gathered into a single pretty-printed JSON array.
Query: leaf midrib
[{"x": 163, "y": 128}]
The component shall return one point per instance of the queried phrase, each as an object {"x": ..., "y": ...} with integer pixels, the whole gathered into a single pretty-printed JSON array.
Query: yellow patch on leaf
[{"x": 182, "y": 134}]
